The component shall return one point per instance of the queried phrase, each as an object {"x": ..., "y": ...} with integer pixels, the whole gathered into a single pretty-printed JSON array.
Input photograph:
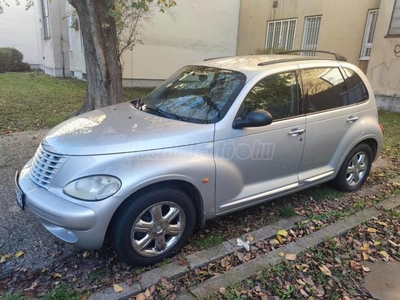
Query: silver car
[{"x": 216, "y": 137}]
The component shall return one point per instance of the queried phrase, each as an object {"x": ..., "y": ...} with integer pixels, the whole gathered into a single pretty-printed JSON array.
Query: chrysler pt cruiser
[{"x": 216, "y": 137}]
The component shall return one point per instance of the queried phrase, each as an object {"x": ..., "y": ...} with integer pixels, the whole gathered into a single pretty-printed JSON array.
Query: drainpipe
[{"x": 63, "y": 62}]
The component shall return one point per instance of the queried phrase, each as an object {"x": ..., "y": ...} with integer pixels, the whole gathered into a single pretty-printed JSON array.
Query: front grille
[{"x": 45, "y": 166}]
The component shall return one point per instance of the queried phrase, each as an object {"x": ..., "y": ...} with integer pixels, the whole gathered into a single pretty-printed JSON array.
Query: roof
[{"x": 252, "y": 64}]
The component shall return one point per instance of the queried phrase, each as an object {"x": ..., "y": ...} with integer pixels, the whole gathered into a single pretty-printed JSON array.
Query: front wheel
[
  {"x": 152, "y": 226},
  {"x": 355, "y": 169}
]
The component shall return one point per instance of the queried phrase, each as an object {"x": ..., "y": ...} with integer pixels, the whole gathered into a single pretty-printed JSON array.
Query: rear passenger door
[{"x": 332, "y": 123}]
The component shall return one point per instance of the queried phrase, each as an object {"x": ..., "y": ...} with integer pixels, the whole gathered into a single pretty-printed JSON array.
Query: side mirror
[{"x": 255, "y": 118}]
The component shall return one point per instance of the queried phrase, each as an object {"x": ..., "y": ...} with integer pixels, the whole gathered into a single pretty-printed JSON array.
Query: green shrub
[{"x": 11, "y": 60}]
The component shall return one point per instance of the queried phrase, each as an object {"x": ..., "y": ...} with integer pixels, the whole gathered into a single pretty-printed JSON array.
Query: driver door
[{"x": 257, "y": 163}]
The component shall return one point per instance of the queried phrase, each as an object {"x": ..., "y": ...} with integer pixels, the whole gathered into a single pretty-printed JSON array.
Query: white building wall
[
  {"x": 17, "y": 30},
  {"x": 192, "y": 31},
  {"x": 75, "y": 44},
  {"x": 195, "y": 30},
  {"x": 54, "y": 58}
]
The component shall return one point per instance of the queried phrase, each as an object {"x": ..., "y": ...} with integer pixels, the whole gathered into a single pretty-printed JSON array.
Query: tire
[
  {"x": 152, "y": 225},
  {"x": 355, "y": 169}
]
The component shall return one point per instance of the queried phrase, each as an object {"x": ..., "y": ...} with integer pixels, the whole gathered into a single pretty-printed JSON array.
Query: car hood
[{"x": 122, "y": 128}]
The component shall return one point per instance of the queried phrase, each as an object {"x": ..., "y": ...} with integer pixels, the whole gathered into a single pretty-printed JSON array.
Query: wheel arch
[
  {"x": 373, "y": 144},
  {"x": 187, "y": 187}
]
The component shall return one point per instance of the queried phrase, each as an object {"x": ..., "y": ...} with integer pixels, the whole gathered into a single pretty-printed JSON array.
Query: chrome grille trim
[{"x": 45, "y": 166}]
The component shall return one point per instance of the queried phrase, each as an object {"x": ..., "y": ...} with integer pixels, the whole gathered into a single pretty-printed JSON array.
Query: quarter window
[
  {"x": 325, "y": 89},
  {"x": 280, "y": 34},
  {"x": 278, "y": 94},
  {"x": 357, "y": 89}
]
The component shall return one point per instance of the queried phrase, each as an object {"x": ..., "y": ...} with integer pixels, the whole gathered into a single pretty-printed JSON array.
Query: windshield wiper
[
  {"x": 163, "y": 113},
  {"x": 137, "y": 103}
]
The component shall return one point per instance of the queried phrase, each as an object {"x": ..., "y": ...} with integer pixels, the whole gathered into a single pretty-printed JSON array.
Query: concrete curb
[
  {"x": 245, "y": 270},
  {"x": 195, "y": 260}
]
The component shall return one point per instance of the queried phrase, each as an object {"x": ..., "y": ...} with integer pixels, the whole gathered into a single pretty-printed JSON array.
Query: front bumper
[{"x": 70, "y": 222}]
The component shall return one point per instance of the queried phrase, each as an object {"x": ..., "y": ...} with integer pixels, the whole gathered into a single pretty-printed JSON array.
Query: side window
[
  {"x": 325, "y": 89},
  {"x": 357, "y": 89},
  {"x": 278, "y": 94}
]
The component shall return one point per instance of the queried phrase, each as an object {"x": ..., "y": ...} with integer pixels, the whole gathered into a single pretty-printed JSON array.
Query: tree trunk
[{"x": 103, "y": 71}]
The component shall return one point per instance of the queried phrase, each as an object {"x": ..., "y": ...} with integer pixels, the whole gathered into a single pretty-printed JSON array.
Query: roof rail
[
  {"x": 273, "y": 62},
  {"x": 337, "y": 55},
  {"x": 212, "y": 58}
]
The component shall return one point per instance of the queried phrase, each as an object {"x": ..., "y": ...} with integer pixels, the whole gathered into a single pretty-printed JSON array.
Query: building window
[
  {"x": 280, "y": 34},
  {"x": 45, "y": 19},
  {"x": 70, "y": 22},
  {"x": 369, "y": 34},
  {"x": 311, "y": 33},
  {"x": 394, "y": 28}
]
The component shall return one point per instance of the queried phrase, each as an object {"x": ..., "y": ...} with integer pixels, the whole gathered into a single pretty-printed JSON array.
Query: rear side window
[
  {"x": 357, "y": 89},
  {"x": 325, "y": 89}
]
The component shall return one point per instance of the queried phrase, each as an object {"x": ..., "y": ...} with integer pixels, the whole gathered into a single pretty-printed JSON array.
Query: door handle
[
  {"x": 352, "y": 119},
  {"x": 296, "y": 132}
]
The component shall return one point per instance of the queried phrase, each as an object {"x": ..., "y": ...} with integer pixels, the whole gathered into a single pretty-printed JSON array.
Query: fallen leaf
[
  {"x": 140, "y": 296},
  {"x": 57, "y": 275},
  {"x": 33, "y": 285},
  {"x": 365, "y": 256},
  {"x": 119, "y": 289},
  {"x": 4, "y": 257},
  {"x": 303, "y": 293},
  {"x": 301, "y": 282},
  {"x": 393, "y": 243},
  {"x": 147, "y": 293},
  {"x": 290, "y": 256},
  {"x": 19, "y": 254},
  {"x": 366, "y": 269},
  {"x": 382, "y": 224},
  {"x": 278, "y": 237},
  {"x": 377, "y": 243},
  {"x": 355, "y": 266},
  {"x": 383, "y": 254},
  {"x": 240, "y": 256},
  {"x": 274, "y": 242},
  {"x": 281, "y": 254},
  {"x": 86, "y": 254},
  {"x": 320, "y": 291},
  {"x": 371, "y": 230},
  {"x": 324, "y": 269},
  {"x": 222, "y": 290},
  {"x": 282, "y": 232}
]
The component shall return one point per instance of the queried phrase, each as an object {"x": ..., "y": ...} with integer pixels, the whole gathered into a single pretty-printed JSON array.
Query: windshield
[{"x": 195, "y": 94}]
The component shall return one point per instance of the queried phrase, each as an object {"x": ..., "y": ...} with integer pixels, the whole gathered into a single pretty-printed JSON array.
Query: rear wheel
[
  {"x": 355, "y": 169},
  {"x": 152, "y": 226}
]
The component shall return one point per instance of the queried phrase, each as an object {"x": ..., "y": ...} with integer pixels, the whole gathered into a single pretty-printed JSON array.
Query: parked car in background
[{"x": 216, "y": 137}]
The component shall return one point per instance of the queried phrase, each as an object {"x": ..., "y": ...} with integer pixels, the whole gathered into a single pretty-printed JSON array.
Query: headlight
[{"x": 93, "y": 188}]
